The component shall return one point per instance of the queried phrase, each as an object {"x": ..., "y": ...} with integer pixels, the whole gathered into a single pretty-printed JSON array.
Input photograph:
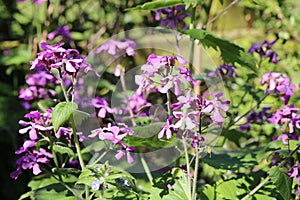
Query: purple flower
[
  {"x": 256, "y": 117},
  {"x": 126, "y": 151},
  {"x": 170, "y": 82},
  {"x": 31, "y": 160},
  {"x": 216, "y": 106},
  {"x": 265, "y": 50},
  {"x": 167, "y": 61},
  {"x": 63, "y": 31},
  {"x": 117, "y": 48},
  {"x": 225, "y": 71},
  {"x": 159, "y": 66},
  {"x": 294, "y": 172},
  {"x": 136, "y": 101},
  {"x": 57, "y": 57},
  {"x": 37, "y": 83},
  {"x": 174, "y": 17},
  {"x": 102, "y": 105},
  {"x": 279, "y": 84},
  {"x": 188, "y": 120},
  {"x": 166, "y": 129},
  {"x": 6, "y": 51},
  {"x": 112, "y": 133},
  {"x": 288, "y": 115},
  {"x": 187, "y": 75},
  {"x": 38, "y": 123}
]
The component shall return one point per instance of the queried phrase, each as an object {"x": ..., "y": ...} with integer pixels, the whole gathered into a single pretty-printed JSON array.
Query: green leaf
[
  {"x": 158, "y": 4},
  {"x": 26, "y": 195},
  {"x": 179, "y": 182},
  {"x": 63, "y": 150},
  {"x": 228, "y": 189},
  {"x": 61, "y": 113},
  {"x": 232, "y": 160},
  {"x": 86, "y": 177},
  {"x": 146, "y": 136},
  {"x": 282, "y": 181},
  {"x": 230, "y": 52},
  {"x": 80, "y": 116}
]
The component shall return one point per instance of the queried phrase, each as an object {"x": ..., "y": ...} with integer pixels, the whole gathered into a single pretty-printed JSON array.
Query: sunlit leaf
[
  {"x": 230, "y": 52},
  {"x": 61, "y": 113}
]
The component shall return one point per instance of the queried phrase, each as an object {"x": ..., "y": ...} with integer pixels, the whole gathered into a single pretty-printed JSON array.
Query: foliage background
[{"x": 24, "y": 25}]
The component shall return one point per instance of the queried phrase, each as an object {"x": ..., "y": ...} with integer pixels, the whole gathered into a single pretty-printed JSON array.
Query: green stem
[
  {"x": 147, "y": 170},
  {"x": 245, "y": 114},
  {"x": 75, "y": 193},
  {"x": 192, "y": 47},
  {"x": 187, "y": 166},
  {"x": 73, "y": 129},
  {"x": 256, "y": 188},
  {"x": 126, "y": 96},
  {"x": 169, "y": 103}
]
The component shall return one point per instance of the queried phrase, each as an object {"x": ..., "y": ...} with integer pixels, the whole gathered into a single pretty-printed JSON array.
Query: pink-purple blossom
[
  {"x": 31, "y": 160},
  {"x": 38, "y": 122},
  {"x": 257, "y": 118},
  {"x": 288, "y": 115},
  {"x": 56, "y": 57},
  {"x": 102, "y": 106},
  {"x": 279, "y": 84},
  {"x": 63, "y": 31},
  {"x": 118, "y": 48}
]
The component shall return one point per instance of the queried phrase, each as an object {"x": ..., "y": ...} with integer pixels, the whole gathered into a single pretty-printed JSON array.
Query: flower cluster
[
  {"x": 33, "y": 158},
  {"x": 174, "y": 17},
  {"x": 265, "y": 50},
  {"x": 117, "y": 48},
  {"x": 256, "y": 118},
  {"x": 67, "y": 61},
  {"x": 279, "y": 84},
  {"x": 288, "y": 115},
  {"x": 63, "y": 31},
  {"x": 37, "y": 86},
  {"x": 115, "y": 134},
  {"x": 163, "y": 68},
  {"x": 162, "y": 73}
]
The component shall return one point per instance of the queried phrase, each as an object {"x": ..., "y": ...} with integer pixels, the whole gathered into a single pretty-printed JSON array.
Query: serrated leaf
[
  {"x": 282, "y": 181},
  {"x": 230, "y": 52},
  {"x": 63, "y": 150},
  {"x": 157, "y": 4},
  {"x": 61, "y": 113}
]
